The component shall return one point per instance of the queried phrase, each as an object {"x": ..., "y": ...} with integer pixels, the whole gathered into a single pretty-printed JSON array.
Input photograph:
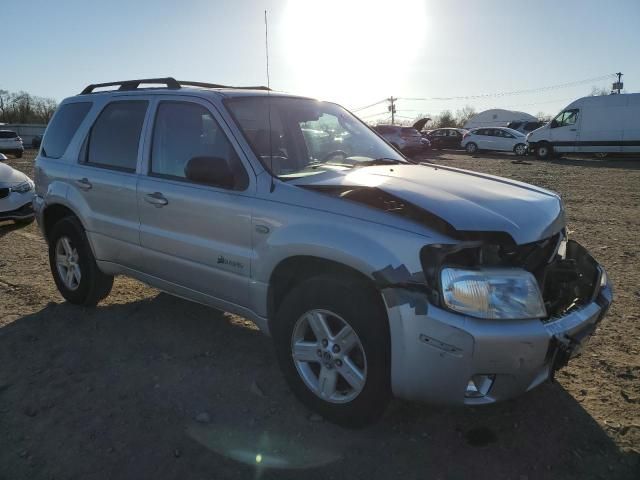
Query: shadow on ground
[{"x": 114, "y": 392}]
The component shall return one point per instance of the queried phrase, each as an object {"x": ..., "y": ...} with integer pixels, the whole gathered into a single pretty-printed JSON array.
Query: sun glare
[{"x": 352, "y": 51}]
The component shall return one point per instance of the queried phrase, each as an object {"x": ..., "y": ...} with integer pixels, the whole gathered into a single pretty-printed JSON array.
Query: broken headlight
[{"x": 493, "y": 293}]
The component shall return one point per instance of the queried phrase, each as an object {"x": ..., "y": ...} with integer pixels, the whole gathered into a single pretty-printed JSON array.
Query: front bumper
[
  {"x": 25, "y": 212},
  {"x": 435, "y": 352}
]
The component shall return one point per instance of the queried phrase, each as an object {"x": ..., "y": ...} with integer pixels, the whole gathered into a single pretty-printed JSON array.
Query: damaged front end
[
  {"x": 484, "y": 359},
  {"x": 566, "y": 274}
]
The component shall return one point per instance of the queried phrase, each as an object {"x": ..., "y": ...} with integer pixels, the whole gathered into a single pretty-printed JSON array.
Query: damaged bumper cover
[{"x": 436, "y": 352}]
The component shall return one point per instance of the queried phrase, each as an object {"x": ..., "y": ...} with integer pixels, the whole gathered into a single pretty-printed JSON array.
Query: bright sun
[{"x": 352, "y": 51}]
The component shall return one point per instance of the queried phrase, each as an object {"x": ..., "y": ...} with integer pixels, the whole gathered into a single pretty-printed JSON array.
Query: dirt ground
[{"x": 147, "y": 386}]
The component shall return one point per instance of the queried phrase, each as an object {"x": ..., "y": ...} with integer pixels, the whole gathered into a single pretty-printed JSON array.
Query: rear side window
[
  {"x": 115, "y": 136},
  {"x": 8, "y": 134},
  {"x": 63, "y": 127}
]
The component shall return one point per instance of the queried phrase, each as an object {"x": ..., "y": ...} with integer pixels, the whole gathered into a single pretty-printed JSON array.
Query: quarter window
[
  {"x": 183, "y": 131},
  {"x": 63, "y": 127},
  {"x": 115, "y": 136}
]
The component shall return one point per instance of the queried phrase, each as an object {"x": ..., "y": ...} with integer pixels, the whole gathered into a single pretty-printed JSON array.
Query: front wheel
[
  {"x": 520, "y": 149},
  {"x": 544, "y": 151},
  {"x": 471, "y": 148},
  {"x": 73, "y": 265},
  {"x": 332, "y": 341}
]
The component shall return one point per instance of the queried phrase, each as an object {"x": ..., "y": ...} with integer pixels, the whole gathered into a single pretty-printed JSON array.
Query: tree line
[{"x": 22, "y": 107}]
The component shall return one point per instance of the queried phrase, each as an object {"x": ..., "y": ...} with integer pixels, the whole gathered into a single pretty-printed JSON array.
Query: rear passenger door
[
  {"x": 103, "y": 182},
  {"x": 194, "y": 235}
]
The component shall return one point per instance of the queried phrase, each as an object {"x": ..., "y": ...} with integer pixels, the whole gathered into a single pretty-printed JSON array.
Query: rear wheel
[
  {"x": 544, "y": 151},
  {"x": 333, "y": 348},
  {"x": 471, "y": 148},
  {"x": 73, "y": 265},
  {"x": 520, "y": 149}
]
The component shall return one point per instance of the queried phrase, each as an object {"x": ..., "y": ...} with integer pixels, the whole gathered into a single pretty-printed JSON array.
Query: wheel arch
[{"x": 295, "y": 269}]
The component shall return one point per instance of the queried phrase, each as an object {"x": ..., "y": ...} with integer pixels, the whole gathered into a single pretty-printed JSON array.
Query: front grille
[{"x": 4, "y": 192}]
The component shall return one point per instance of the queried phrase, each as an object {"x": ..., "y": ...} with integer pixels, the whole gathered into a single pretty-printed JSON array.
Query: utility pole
[
  {"x": 392, "y": 108},
  {"x": 618, "y": 85}
]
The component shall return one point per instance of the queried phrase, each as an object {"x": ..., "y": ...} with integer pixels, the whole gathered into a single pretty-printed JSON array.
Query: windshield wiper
[{"x": 381, "y": 161}]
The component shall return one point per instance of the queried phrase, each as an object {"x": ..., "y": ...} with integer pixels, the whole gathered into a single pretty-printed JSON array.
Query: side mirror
[
  {"x": 554, "y": 124},
  {"x": 213, "y": 171}
]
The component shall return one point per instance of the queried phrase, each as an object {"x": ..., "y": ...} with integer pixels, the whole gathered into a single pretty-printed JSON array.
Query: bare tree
[
  {"x": 599, "y": 91},
  {"x": 22, "y": 107},
  {"x": 444, "y": 120},
  {"x": 464, "y": 114}
]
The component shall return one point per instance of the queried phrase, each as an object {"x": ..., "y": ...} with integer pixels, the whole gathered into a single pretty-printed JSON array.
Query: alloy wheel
[
  {"x": 329, "y": 356},
  {"x": 67, "y": 263}
]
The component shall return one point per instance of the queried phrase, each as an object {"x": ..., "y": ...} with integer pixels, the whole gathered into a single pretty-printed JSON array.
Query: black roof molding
[{"x": 168, "y": 82}]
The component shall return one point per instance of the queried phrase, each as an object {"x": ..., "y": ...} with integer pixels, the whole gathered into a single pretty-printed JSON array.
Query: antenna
[{"x": 266, "y": 49}]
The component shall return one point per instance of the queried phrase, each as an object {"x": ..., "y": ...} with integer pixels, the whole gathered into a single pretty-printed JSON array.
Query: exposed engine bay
[{"x": 566, "y": 273}]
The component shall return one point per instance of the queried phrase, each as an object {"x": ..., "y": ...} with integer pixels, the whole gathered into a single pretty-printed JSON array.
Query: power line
[
  {"x": 369, "y": 106},
  {"x": 515, "y": 92}
]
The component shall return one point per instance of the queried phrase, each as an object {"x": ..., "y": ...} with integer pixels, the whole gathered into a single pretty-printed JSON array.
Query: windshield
[{"x": 307, "y": 136}]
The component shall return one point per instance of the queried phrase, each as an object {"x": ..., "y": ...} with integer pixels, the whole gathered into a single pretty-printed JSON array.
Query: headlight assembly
[
  {"x": 23, "y": 187},
  {"x": 496, "y": 293}
]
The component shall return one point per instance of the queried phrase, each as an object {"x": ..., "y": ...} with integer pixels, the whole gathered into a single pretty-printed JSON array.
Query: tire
[
  {"x": 93, "y": 285},
  {"x": 544, "y": 151},
  {"x": 471, "y": 148},
  {"x": 342, "y": 302},
  {"x": 18, "y": 154},
  {"x": 520, "y": 149}
]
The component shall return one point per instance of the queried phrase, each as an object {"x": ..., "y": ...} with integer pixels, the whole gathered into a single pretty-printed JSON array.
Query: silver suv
[{"x": 374, "y": 275}]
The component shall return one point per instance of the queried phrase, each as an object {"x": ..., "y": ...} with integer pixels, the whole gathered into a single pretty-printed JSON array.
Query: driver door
[{"x": 563, "y": 131}]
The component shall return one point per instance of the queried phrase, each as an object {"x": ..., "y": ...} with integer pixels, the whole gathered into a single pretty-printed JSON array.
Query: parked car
[
  {"x": 11, "y": 143},
  {"x": 406, "y": 139},
  {"x": 597, "y": 124},
  {"x": 525, "y": 127},
  {"x": 16, "y": 195},
  {"x": 446, "y": 138},
  {"x": 500, "y": 139},
  {"x": 374, "y": 275},
  {"x": 36, "y": 141}
]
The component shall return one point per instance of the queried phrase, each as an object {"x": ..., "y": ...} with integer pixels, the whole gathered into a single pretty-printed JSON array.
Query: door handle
[
  {"x": 156, "y": 199},
  {"x": 84, "y": 184}
]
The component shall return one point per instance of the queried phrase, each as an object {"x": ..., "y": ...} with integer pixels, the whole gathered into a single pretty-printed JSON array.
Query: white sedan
[
  {"x": 16, "y": 194},
  {"x": 500, "y": 139}
]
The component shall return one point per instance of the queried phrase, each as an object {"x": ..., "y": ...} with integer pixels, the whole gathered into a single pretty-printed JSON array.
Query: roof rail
[
  {"x": 189, "y": 83},
  {"x": 170, "y": 82}
]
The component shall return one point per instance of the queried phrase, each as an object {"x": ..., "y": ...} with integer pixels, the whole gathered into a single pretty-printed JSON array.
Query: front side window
[
  {"x": 115, "y": 136},
  {"x": 63, "y": 127},
  {"x": 568, "y": 117},
  {"x": 185, "y": 130},
  {"x": 297, "y": 137}
]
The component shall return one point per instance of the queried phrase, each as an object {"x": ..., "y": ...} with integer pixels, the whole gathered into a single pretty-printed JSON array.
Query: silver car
[
  {"x": 374, "y": 275},
  {"x": 16, "y": 195},
  {"x": 406, "y": 139}
]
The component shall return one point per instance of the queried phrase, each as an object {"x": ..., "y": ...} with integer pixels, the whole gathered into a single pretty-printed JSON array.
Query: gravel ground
[{"x": 151, "y": 386}]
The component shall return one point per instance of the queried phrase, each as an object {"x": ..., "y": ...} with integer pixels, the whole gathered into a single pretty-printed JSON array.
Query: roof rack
[{"x": 170, "y": 83}]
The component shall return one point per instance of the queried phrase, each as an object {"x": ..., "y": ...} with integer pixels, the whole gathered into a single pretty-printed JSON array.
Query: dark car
[
  {"x": 36, "y": 141},
  {"x": 446, "y": 138}
]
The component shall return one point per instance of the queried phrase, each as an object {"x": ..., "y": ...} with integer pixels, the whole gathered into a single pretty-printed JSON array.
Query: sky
[{"x": 449, "y": 54}]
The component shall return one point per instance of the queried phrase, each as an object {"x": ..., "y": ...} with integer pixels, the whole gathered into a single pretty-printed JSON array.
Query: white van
[{"x": 609, "y": 123}]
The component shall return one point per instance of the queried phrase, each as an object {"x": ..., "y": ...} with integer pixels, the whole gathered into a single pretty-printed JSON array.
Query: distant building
[
  {"x": 26, "y": 131},
  {"x": 497, "y": 118}
]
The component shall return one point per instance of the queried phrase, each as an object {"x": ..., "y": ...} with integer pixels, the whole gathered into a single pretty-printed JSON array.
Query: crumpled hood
[
  {"x": 10, "y": 176},
  {"x": 467, "y": 201}
]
